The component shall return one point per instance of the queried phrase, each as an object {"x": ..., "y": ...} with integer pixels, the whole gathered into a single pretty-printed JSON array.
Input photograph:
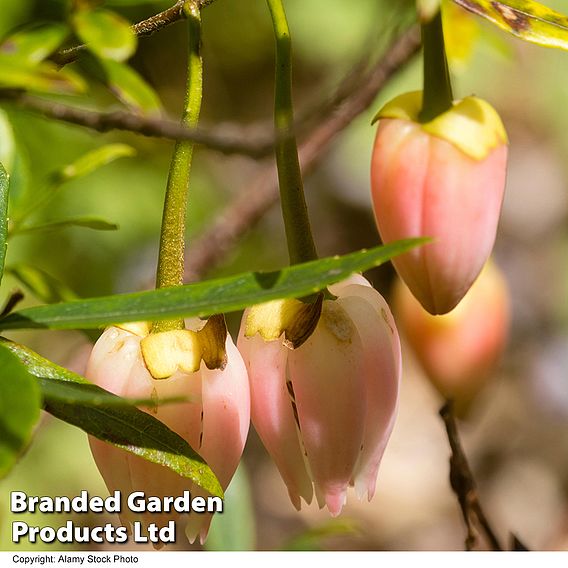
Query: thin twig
[
  {"x": 251, "y": 204},
  {"x": 144, "y": 28},
  {"x": 463, "y": 485},
  {"x": 225, "y": 140}
]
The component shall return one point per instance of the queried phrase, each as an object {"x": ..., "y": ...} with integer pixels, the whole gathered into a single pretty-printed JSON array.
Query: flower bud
[
  {"x": 458, "y": 351},
  {"x": 442, "y": 179},
  {"x": 214, "y": 421},
  {"x": 325, "y": 409}
]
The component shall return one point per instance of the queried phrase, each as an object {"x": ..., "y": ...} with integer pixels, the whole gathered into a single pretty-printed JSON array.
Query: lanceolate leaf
[
  {"x": 205, "y": 298},
  {"x": 44, "y": 77},
  {"x": 106, "y": 34},
  {"x": 85, "y": 222},
  {"x": 34, "y": 45},
  {"x": 4, "y": 186},
  {"x": 19, "y": 409},
  {"x": 130, "y": 88},
  {"x": 41, "y": 284},
  {"x": 528, "y": 20},
  {"x": 94, "y": 160},
  {"x": 118, "y": 423}
]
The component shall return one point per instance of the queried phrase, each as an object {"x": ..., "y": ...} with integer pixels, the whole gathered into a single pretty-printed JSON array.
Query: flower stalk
[
  {"x": 438, "y": 95},
  {"x": 301, "y": 247},
  {"x": 172, "y": 238}
]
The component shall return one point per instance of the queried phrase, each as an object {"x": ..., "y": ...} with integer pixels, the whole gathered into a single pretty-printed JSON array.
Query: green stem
[
  {"x": 172, "y": 238},
  {"x": 438, "y": 96},
  {"x": 301, "y": 247}
]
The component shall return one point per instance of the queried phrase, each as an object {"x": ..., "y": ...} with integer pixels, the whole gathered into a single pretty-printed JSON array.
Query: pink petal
[
  {"x": 272, "y": 411},
  {"x": 327, "y": 376}
]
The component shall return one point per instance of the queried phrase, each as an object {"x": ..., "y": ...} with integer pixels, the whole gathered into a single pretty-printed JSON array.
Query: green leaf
[
  {"x": 34, "y": 45},
  {"x": 83, "y": 166},
  {"x": 106, "y": 34},
  {"x": 130, "y": 88},
  {"x": 205, "y": 298},
  {"x": 93, "y": 160},
  {"x": 19, "y": 409},
  {"x": 41, "y": 284},
  {"x": 44, "y": 77},
  {"x": 87, "y": 394},
  {"x": 15, "y": 161},
  {"x": 235, "y": 528},
  {"x": 85, "y": 222},
  {"x": 123, "y": 426},
  {"x": 4, "y": 194},
  {"x": 528, "y": 20}
]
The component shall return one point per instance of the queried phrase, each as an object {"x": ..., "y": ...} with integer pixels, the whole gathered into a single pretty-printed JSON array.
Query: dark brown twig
[
  {"x": 245, "y": 142},
  {"x": 262, "y": 192},
  {"x": 463, "y": 485},
  {"x": 144, "y": 28}
]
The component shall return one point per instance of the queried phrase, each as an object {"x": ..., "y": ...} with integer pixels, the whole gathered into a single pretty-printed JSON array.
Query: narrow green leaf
[
  {"x": 43, "y": 77},
  {"x": 130, "y": 88},
  {"x": 106, "y": 34},
  {"x": 34, "y": 45},
  {"x": 528, "y": 20},
  {"x": 86, "y": 394},
  {"x": 94, "y": 160},
  {"x": 205, "y": 298},
  {"x": 124, "y": 426},
  {"x": 19, "y": 409},
  {"x": 15, "y": 161},
  {"x": 4, "y": 194},
  {"x": 235, "y": 528},
  {"x": 85, "y": 222},
  {"x": 41, "y": 284},
  {"x": 83, "y": 166}
]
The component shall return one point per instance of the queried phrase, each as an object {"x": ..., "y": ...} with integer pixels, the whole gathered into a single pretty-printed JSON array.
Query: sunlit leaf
[
  {"x": 121, "y": 425},
  {"x": 130, "y": 88},
  {"x": 106, "y": 34},
  {"x": 528, "y": 20},
  {"x": 4, "y": 194},
  {"x": 19, "y": 409},
  {"x": 85, "y": 222},
  {"x": 94, "y": 160},
  {"x": 461, "y": 33},
  {"x": 205, "y": 298},
  {"x": 44, "y": 77},
  {"x": 34, "y": 45},
  {"x": 14, "y": 159},
  {"x": 41, "y": 284},
  {"x": 86, "y": 164}
]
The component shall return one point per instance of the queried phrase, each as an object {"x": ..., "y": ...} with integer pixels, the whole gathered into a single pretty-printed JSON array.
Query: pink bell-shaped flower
[
  {"x": 442, "y": 179},
  {"x": 214, "y": 421},
  {"x": 325, "y": 410},
  {"x": 459, "y": 351}
]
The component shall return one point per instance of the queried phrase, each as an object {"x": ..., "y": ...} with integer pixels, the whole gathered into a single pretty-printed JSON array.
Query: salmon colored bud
[
  {"x": 325, "y": 410},
  {"x": 442, "y": 179},
  {"x": 214, "y": 421},
  {"x": 458, "y": 351}
]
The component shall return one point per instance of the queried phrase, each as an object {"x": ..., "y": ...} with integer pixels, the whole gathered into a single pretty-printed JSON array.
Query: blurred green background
[{"x": 517, "y": 434}]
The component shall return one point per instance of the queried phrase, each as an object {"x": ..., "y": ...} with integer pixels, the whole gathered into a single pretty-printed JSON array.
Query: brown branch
[
  {"x": 463, "y": 485},
  {"x": 248, "y": 142},
  {"x": 144, "y": 28},
  {"x": 262, "y": 192}
]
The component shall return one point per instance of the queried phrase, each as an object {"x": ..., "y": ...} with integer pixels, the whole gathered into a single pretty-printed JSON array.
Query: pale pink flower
[
  {"x": 214, "y": 422},
  {"x": 325, "y": 410}
]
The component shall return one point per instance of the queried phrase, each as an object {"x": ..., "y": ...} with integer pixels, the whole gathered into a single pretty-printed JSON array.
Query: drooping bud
[
  {"x": 325, "y": 410},
  {"x": 442, "y": 179},
  {"x": 214, "y": 420},
  {"x": 458, "y": 351}
]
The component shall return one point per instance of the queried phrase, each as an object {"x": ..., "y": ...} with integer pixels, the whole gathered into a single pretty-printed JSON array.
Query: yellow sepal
[
  {"x": 295, "y": 319},
  {"x": 472, "y": 124}
]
